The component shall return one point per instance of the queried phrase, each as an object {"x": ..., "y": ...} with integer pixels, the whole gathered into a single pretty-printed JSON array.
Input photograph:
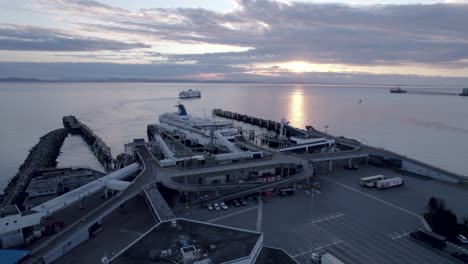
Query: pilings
[
  {"x": 265, "y": 123},
  {"x": 98, "y": 146},
  {"x": 439, "y": 93},
  {"x": 432, "y": 93},
  {"x": 44, "y": 154}
]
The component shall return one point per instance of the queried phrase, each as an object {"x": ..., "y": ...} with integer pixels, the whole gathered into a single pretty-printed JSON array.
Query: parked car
[
  {"x": 210, "y": 207},
  {"x": 462, "y": 239},
  {"x": 223, "y": 205},
  {"x": 206, "y": 197},
  {"x": 216, "y": 206},
  {"x": 236, "y": 203},
  {"x": 243, "y": 202}
]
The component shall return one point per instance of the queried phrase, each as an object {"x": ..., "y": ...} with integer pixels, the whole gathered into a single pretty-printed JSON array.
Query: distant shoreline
[{"x": 32, "y": 80}]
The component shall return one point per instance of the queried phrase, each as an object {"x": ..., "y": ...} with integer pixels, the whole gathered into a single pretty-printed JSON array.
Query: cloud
[
  {"x": 377, "y": 34},
  {"x": 28, "y": 38},
  {"x": 263, "y": 32}
]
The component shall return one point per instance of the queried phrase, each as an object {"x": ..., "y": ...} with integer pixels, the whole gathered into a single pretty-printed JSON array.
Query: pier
[
  {"x": 358, "y": 151},
  {"x": 98, "y": 146},
  {"x": 426, "y": 92},
  {"x": 264, "y": 123}
]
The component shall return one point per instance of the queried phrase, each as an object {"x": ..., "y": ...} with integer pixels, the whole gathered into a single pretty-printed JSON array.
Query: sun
[{"x": 303, "y": 66}]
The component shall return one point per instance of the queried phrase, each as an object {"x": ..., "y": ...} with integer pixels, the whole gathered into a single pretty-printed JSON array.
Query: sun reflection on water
[{"x": 296, "y": 107}]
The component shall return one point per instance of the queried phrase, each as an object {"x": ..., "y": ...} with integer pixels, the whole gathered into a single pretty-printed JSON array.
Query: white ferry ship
[
  {"x": 196, "y": 129},
  {"x": 190, "y": 94}
]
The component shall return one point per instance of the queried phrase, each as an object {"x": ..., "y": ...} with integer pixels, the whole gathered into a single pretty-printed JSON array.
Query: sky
[{"x": 384, "y": 42}]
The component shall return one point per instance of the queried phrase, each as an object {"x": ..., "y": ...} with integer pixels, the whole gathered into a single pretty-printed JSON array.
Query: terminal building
[{"x": 52, "y": 182}]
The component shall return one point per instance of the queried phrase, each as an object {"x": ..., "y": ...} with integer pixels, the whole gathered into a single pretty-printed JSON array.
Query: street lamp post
[{"x": 326, "y": 129}]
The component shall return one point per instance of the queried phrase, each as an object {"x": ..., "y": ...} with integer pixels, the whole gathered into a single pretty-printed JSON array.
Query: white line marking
[
  {"x": 397, "y": 235},
  {"x": 382, "y": 201},
  {"x": 321, "y": 219},
  {"x": 233, "y": 214},
  {"x": 260, "y": 215},
  {"x": 131, "y": 232},
  {"x": 320, "y": 247}
]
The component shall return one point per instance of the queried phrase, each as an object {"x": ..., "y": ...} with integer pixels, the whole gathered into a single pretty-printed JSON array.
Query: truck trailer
[
  {"x": 388, "y": 183},
  {"x": 430, "y": 238}
]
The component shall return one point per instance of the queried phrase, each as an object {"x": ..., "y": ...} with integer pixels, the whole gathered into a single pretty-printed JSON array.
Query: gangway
[
  {"x": 226, "y": 142},
  {"x": 167, "y": 152},
  {"x": 158, "y": 205}
]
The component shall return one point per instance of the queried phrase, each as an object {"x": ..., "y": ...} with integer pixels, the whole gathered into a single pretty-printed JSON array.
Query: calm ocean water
[{"x": 433, "y": 129}]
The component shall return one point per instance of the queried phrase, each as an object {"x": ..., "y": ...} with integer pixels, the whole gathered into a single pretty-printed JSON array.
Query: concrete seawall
[{"x": 43, "y": 154}]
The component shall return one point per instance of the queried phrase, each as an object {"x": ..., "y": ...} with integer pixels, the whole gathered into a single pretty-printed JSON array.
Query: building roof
[
  {"x": 221, "y": 244},
  {"x": 45, "y": 185},
  {"x": 270, "y": 255},
  {"x": 8, "y": 256},
  {"x": 9, "y": 210}
]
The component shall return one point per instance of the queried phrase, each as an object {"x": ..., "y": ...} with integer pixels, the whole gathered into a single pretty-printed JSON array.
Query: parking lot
[{"x": 355, "y": 224}]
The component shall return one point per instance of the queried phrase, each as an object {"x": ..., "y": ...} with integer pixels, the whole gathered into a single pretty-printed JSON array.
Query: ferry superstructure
[
  {"x": 198, "y": 130},
  {"x": 190, "y": 94}
]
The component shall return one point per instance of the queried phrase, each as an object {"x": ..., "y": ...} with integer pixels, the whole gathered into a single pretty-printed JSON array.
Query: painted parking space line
[
  {"x": 426, "y": 225},
  {"x": 321, "y": 219},
  {"x": 259, "y": 215},
  {"x": 131, "y": 232},
  {"x": 397, "y": 235},
  {"x": 316, "y": 248},
  {"x": 233, "y": 214}
]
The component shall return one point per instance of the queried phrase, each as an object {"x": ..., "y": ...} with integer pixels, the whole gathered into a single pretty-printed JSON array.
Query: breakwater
[
  {"x": 43, "y": 154},
  {"x": 98, "y": 146}
]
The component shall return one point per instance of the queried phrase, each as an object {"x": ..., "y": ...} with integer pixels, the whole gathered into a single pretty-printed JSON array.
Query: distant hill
[{"x": 14, "y": 79}]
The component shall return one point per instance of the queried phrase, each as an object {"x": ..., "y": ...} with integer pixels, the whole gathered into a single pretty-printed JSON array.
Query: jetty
[
  {"x": 264, "y": 123},
  {"x": 426, "y": 92},
  {"x": 98, "y": 146},
  {"x": 42, "y": 155}
]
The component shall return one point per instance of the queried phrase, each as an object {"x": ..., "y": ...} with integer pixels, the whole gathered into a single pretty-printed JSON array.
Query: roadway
[
  {"x": 143, "y": 179},
  {"x": 361, "y": 149},
  {"x": 356, "y": 227}
]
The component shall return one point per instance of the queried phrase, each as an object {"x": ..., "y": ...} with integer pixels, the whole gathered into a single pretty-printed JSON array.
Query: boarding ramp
[
  {"x": 226, "y": 142},
  {"x": 160, "y": 209},
  {"x": 167, "y": 152}
]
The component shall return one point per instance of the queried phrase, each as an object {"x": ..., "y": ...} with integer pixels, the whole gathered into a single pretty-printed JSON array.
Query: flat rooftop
[
  {"x": 45, "y": 185},
  {"x": 9, "y": 210},
  {"x": 221, "y": 243},
  {"x": 270, "y": 255}
]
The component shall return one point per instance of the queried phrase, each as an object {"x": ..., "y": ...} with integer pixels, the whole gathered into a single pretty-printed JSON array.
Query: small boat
[
  {"x": 190, "y": 94},
  {"x": 397, "y": 90}
]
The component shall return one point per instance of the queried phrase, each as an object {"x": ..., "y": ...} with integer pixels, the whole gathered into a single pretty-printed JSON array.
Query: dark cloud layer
[
  {"x": 379, "y": 35},
  {"x": 27, "y": 38},
  {"x": 337, "y": 33}
]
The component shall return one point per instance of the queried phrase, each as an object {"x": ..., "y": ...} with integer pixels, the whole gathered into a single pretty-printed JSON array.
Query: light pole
[{"x": 326, "y": 129}]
